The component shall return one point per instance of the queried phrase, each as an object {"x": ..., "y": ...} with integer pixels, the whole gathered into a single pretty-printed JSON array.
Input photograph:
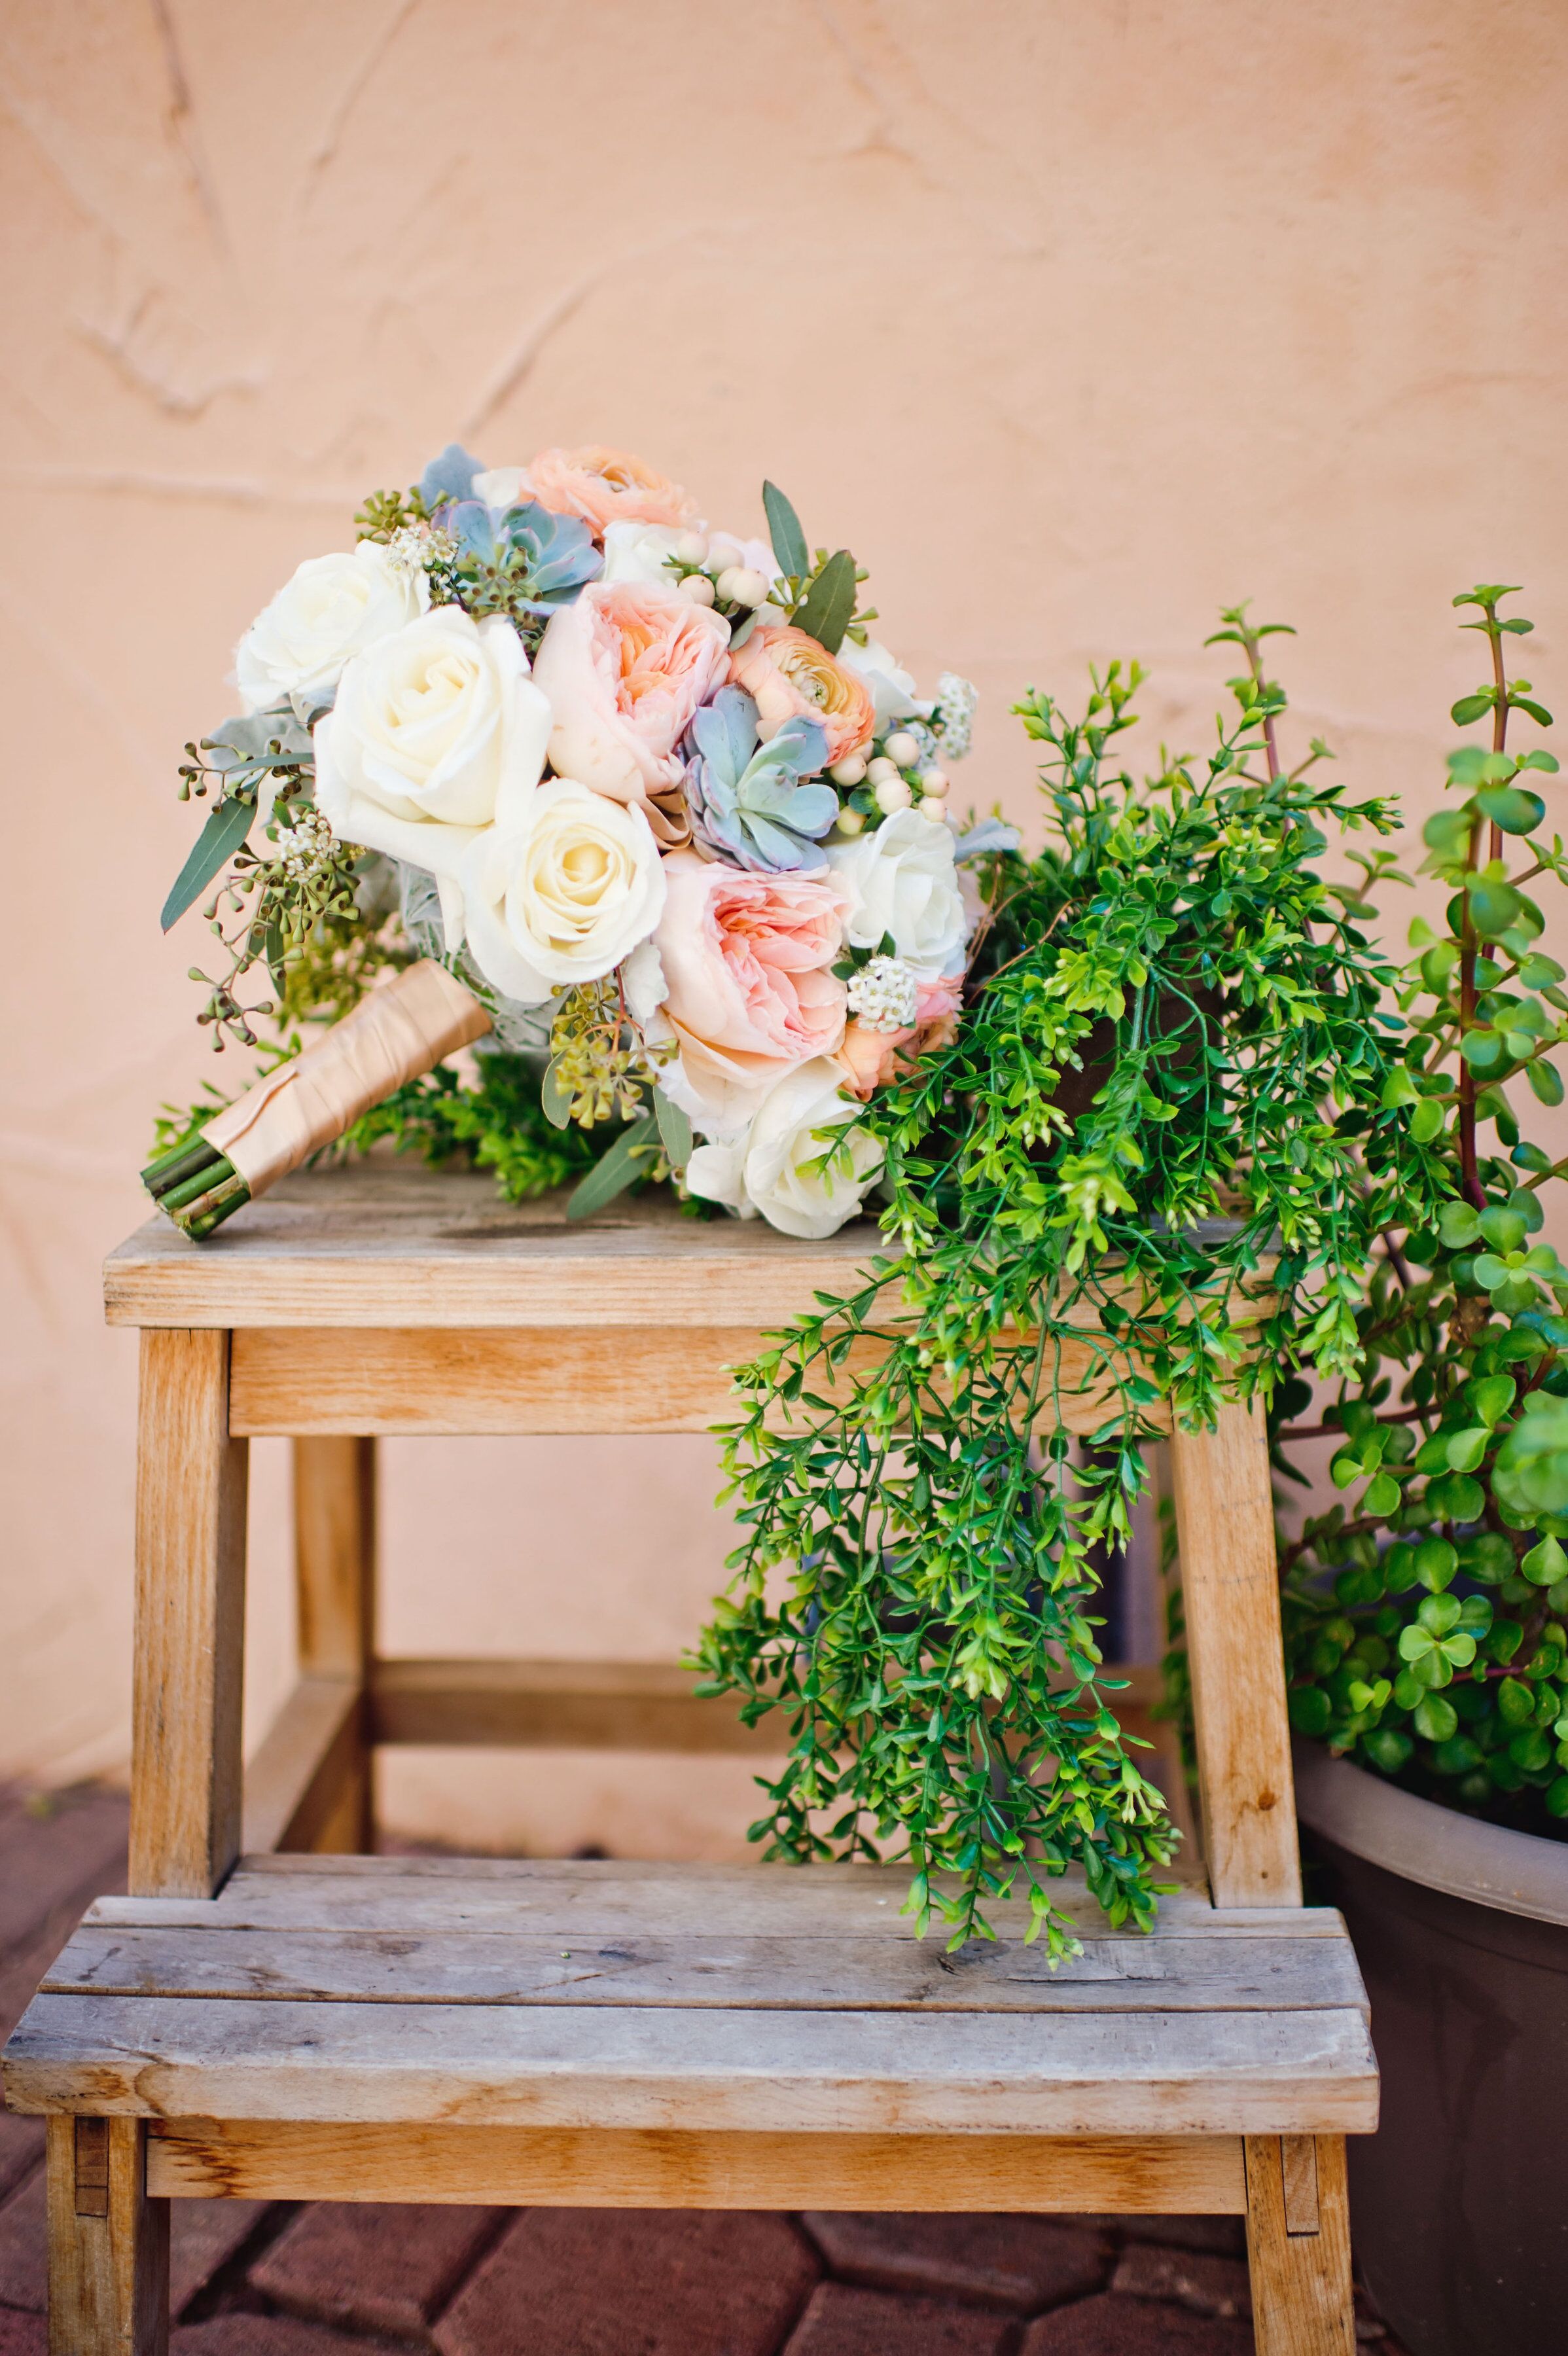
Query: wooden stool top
[{"x": 400, "y": 1245}]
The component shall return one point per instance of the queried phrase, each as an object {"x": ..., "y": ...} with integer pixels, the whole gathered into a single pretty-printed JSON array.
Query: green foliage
[
  {"x": 1171, "y": 1068},
  {"x": 1426, "y": 1620},
  {"x": 497, "y": 1122}
]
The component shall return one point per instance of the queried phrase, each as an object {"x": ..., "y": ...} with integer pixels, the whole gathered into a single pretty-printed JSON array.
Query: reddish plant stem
[{"x": 1469, "y": 1158}]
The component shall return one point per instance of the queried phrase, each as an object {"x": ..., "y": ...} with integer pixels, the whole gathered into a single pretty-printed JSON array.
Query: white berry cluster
[
  {"x": 956, "y": 699},
  {"x": 304, "y": 848},
  {"x": 885, "y": 993}
]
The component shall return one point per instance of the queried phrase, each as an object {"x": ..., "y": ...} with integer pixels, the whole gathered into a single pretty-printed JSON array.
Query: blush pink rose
[
  {"x": 624, "y": 667},
  {"x": 746, "y": 961},
  {"x": 605, "y": 487},
  {"x": 789, "y": 675}
]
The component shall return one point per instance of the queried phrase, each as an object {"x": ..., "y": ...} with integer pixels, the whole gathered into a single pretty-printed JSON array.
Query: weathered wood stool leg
[
  {"x": 335, "y": 1555},
  {"x": 108, "y": 2242},
  {"x": 1298, "y": 2224},
  {"x": 1298, "y": 2245}
]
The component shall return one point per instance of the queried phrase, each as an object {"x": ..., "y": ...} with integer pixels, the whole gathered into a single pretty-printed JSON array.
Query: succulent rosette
[
  {"x": 749, "y": 802},
  {"x": 680, "y": 819}
]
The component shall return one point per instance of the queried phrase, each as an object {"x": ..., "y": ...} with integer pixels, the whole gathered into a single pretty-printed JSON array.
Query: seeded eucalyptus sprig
[
  {"x": 1159, "y": 1143},
  {"x": 1427, "y": 1622}
]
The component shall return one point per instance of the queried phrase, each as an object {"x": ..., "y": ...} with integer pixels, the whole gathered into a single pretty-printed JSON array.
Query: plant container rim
[{"x": 1421, "y": 1841}]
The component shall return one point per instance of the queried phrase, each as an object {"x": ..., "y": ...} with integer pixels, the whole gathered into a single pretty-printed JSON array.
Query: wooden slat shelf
[{"x": 760, "y": 1999}]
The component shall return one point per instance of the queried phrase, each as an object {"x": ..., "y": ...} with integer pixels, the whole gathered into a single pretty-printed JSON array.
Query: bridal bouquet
[{"x": 646, "y": 798}]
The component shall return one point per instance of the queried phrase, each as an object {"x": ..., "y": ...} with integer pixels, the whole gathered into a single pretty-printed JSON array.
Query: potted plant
[{"x": 1426, "y": 1616}]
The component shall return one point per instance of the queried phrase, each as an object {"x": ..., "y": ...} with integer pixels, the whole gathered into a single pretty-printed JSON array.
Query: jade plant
[{"x": 1426, "y": 1614}]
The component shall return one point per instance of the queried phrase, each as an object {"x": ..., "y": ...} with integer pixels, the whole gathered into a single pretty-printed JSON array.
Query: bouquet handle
[{"x": 396, "y": 1033}]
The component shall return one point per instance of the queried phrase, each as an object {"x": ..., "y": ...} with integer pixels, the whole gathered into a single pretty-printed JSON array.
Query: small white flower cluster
[
  {"x": 956, "y": 699},
  {"x": 413, "y": 546},
  {"x": 306, "y": 848},
  {"x": 885, "y": 993}
]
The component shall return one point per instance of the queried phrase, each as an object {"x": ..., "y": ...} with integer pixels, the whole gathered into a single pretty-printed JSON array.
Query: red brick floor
[{"x": 252, "y": 2278}]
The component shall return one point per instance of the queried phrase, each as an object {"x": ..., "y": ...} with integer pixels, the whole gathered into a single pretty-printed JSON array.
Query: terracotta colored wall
[{"x": 1074, "y": 320}]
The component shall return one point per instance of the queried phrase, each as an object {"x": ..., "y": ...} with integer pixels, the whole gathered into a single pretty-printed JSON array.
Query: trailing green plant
[
  {"x": 1151, "y": 1165},
  {"x": 1426, "y": 1617}
]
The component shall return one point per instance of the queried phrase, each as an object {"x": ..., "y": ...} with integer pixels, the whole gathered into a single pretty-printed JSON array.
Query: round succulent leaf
[
  {"x": 1512, "y": 807},
  {"x": 1493, "y": 907},
  {"x": 1516, "y": 1703},
  {"x": 1467, "y": 1448},
  {"x": 1435, "y": 1719},
  {"x": 1438, "y": 1614},
  {"x": 1457, "y": 1497},
  {"x": 1383, "y": 1497},
  {"x": 1546, "y": 1564},
  {"x": 1544, "y": 1079},
  {"x": 1458, "y": 1224},
  {"x": 1435, "y": 1563},
  {"x": 1309, "y": 1710},
  {"x": 1484, "y": 1050},
  {"x": 1503, "y": 1227},
  {"x": 1487, "y": 1556},
  {"x": 1388, "y": 1750},
  {"x": 1489, "y": 1396}
]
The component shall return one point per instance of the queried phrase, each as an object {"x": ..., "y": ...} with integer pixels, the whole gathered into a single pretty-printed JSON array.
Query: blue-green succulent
[
  {"x": 518, "y": 559},
  {"x": 748, "y": 805}
]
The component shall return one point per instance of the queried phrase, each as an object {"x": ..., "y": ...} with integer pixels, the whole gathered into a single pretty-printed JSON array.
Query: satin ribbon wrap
[{"x": 394, "y": 1034}]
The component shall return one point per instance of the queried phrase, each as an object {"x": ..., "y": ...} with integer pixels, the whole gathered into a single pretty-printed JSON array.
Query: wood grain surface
[
  {"x": 650, "y": 2066},
  {"x": 663, "y": 2167},
  {"x": 1229, "y": 1580},
  {"x": 189, "y": 1660}
]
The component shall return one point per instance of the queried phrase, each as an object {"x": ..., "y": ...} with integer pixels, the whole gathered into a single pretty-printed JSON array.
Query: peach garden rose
[
  {"x": 746, "y": 961},
  {"x": 625, "y": 667}
]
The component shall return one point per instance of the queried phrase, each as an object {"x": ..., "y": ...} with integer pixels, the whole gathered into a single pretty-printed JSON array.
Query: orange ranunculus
[
  {"x": 605, "y": 487},
  {"x": 788, "y": 675}
]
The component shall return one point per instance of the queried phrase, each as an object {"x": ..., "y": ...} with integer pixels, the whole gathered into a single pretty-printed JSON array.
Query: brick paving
[{"x": 338, "y": 2279}]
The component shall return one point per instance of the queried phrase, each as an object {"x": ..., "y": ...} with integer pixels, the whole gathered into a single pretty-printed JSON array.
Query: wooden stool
[{"x": 294, "y": 2026}]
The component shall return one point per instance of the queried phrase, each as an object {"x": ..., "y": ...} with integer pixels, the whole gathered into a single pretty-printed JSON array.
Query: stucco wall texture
[{"x": 1074, "y": 321}]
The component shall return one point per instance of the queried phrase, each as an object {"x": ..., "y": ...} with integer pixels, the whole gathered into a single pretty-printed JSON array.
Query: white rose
[
  {"x": 332, "y": 608},
  {"x": 892, "y": 687},
  {"x": 768, "y": 1168},
  {"x": 500, "y": 486},
  {"x": 903, "y": 880},
  {"x": 437, "y": 731},
  {"x": 637, "y": 551},
  {"x": 563, "y": 896}
]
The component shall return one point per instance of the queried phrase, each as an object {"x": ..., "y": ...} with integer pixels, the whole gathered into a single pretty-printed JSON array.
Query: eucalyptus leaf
[
  {"x": 626, "y": 1162},
  {"x": 784, "y": 531},
  {"x": 220, "y": 839},
  {"x": 829, "y": 607},
  {"x": 554, "y": 1100},
  {"x": 674, "y": 1130}
]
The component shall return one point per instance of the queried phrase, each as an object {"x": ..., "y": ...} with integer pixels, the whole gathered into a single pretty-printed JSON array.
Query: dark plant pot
[{"x": 1457, "y": 2204}]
